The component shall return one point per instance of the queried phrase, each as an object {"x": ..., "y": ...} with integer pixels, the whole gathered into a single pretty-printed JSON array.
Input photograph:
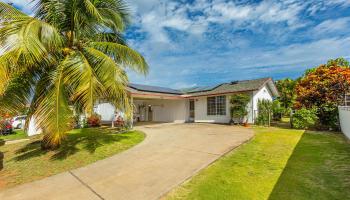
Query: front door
[{"x": 192, "y": 114}]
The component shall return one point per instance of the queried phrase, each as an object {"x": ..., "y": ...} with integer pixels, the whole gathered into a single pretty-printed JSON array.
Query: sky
[{"x": 191, "y": 43}]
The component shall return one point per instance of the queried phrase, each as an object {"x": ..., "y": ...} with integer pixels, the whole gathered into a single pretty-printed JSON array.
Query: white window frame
[{"x": 217, "y": 105}]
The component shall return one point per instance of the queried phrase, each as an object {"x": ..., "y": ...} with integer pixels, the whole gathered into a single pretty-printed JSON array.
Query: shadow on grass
[
  {"x": 88, "y": 139},
  {"x": 319, "y": 168},
  {"x": 280, "y": 124}
]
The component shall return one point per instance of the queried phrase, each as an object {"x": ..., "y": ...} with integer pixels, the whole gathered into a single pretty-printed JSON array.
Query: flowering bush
[
  {"x": 94, "y": 120},
  {"x": 323, "y": 87}
]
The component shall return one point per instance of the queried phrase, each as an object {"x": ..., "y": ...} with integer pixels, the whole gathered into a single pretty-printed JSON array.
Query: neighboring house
[{"x": 209, "y": 104}]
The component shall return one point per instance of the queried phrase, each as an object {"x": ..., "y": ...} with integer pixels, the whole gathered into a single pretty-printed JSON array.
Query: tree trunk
[{"x": 47, "y": 145}]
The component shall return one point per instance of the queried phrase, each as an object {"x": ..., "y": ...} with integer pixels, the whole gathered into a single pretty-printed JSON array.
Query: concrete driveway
[{"x": 170, "y": 154}]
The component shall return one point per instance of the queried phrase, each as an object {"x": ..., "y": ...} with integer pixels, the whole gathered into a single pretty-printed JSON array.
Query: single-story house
[{"x": 200, "y": 104}]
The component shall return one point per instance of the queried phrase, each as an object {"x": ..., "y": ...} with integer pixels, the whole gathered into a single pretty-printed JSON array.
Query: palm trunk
[{"x": 46, "y": 145}]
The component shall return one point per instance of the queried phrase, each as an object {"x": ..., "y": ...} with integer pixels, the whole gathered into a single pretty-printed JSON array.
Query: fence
[{"x": 344, "y": 118}]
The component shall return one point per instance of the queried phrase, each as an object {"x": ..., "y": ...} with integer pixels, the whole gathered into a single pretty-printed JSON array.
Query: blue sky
[{"x": 204, "y": 42}]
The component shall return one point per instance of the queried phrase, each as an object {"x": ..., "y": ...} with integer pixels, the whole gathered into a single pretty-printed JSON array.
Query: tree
[
  {"x": 341, "y": 62},
  {"x": 324, "y": 89},
  {"x": 286, "y": 90},
  {"x": 239, "y": 104},
  {"x": 67, "y": 56}
]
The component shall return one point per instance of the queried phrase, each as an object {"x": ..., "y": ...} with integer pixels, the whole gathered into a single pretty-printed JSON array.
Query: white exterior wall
[
  {"x": 252, "y": 107},
  {"x": 344, "y": 117},
  {"x": 164, "y": 110},
  {"x": 33, "y": 128},
  {"x": 263, "y": 93},
  {"x": 171, "y": 110},
  {"x": 250, "y": 116},
  {"x": 106, "y": 110},
  {"x": 201, "y": 112}
]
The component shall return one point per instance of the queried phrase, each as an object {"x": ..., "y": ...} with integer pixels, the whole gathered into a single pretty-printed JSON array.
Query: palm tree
[{"x": 68, "y": 55}]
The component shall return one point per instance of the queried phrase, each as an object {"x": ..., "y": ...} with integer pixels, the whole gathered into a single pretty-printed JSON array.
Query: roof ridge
[
  {"x": 251, "y": 79},
  {"x": 238, "y": 81}
]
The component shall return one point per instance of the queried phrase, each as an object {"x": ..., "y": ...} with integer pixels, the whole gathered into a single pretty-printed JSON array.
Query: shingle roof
[
  {"x": 148, "y": 88},
  {"x": 234, "y": 86}
]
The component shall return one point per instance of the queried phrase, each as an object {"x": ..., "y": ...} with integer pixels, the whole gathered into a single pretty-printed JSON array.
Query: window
[
  {"x": 347, "y": 100},
  {"x": 216, "y": 105}
]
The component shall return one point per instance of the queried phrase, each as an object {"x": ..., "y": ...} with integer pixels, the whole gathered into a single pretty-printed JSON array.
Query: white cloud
[
  {"x": 245, "y": 63},
  {"x": 264, "y": 12},
  {"x": 219, "y": 54},
  {"x": 322, "y": 5},
  {"x": 155, "y": 16},
  {"x": 341, "y": 25}
]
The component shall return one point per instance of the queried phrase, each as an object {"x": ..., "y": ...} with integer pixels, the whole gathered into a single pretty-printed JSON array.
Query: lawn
[
  {"x": 279, "y": 163},
  {"x": 17, "y": 134},
  {"x": 25, "y": 162}
]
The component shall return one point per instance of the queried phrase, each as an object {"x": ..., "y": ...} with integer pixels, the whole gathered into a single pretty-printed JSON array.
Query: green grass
[
  {"x": 17, "y": 134},
  {"x": 279, "y": 163},
  {"x": 25, "y": 162}
]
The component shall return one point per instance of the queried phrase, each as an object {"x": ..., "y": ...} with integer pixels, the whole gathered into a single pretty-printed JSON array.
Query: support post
[{"x": 132, "y": 112}]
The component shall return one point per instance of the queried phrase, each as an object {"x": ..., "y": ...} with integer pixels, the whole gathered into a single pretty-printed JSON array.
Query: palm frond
[
  {"x": 32, "y": 39},
  {"x": 51, "y": 11},
  {"x": 86, "y": 87},
  {"x": 53, "y": 112},
  {"x": 112, "y": 77},
  {"x": 8, "y": 13},
  {"x": 109, "y": 37},
  {"x": 92, "y": 10},
  {"x": 123, "y": 55},
  {"x": 113, "y": 19},
  {"x": 17, "y": 93}
]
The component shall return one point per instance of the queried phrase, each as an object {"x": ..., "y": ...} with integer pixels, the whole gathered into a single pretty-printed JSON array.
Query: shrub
[
  {"x": 264, "y": 112},
  {"x": 239, "y": 104},
  {"x": 94, "y": 120},
  {"x": 277, "y": 110},
  {"x": 329, "y": 119},
  {"x": 304, "y": 118}
]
